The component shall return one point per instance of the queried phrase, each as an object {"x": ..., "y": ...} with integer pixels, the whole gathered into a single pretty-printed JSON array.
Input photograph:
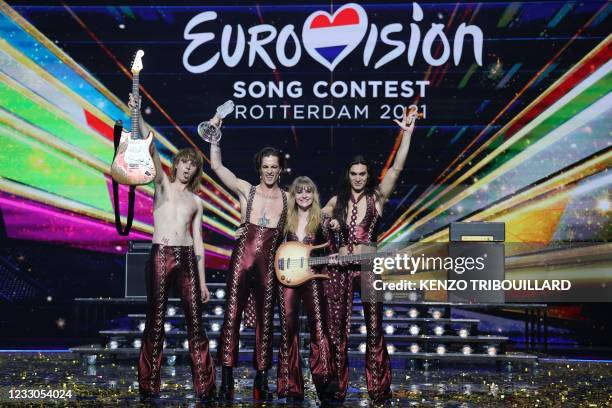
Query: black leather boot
[
  {"x": 261, "y": 392},
  {"x": 226, "y": 392}
]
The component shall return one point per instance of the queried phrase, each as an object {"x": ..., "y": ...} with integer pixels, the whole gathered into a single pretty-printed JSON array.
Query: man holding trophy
[{"x": 251, "y": 273}]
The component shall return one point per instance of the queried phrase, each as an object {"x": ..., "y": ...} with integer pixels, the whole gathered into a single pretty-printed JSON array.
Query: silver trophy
[{"x": 210, "y": 130}]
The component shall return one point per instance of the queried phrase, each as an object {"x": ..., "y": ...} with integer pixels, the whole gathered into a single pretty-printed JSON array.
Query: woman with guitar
[{"x": 304, "y": 224}]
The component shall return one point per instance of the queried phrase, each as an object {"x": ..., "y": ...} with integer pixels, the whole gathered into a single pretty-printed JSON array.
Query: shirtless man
[
  {"x": 356, "y": 211},
  {"x": 177, "y": 256},
  {"x": 263, "y": 210}
]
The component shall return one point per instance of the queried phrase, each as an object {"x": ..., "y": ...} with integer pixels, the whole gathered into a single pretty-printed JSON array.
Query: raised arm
[
  {"x": 228, "y": 178},
  {"x": 160, "y": 174},
  {"x": 198, "y": 248},
  {"x": 388, "y": 182}
]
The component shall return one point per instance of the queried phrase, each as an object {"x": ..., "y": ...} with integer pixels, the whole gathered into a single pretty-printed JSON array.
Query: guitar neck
[
  {"x": 324, "y": 260},
  {"x": 135, "y": 113}
]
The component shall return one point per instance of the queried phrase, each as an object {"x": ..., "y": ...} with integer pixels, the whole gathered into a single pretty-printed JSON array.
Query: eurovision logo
[{"x": 328, "y": 39}]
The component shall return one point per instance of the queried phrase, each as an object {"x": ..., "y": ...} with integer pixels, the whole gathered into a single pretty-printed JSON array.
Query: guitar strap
[{"x": 132, "y": 195}]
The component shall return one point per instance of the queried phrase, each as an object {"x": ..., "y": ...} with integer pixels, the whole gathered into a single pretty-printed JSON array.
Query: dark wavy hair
[
  {"x": 265, "y": 152},
  {"x": 344, "y": 188}
]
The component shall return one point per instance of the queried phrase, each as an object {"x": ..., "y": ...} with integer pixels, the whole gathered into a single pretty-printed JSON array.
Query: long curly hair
[
  {"x": 344, "y": 188},
  {"x": 314, "y": 216}
]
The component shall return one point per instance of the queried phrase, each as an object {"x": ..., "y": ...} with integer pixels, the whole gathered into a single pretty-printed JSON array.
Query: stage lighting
[
  {"x": 389, "y": 329},
  {"x": 414, "y": 348},
  {"x": 136, "y": 343},
  {"x": 413, "y": 296},
  {"x": 390, "y": 348},
  {"x": 414, "y": 330},
  {"x": 165, "y": 344},
  {"x": 218, "y": 310},
  {"x": 436, "y": 313},
  {"x": 362, "y": 312},
  {"x": 413, "y": 313},
  {"x": 212, "y": 344},
  {"x": 438, "y": 330},
  {"x": 167, "y": 327},
  {"x": 388, "y": 296},
  {"x": 185, "y": 344},
  {"x": 463, "y": 332},
  {"x": 171, "y": 360},
  {"x": 363, "y": 329},
  {"x": 441, "y": 349},
  {"x": 141, "y": 326},
  {"x": 171, "y": 311},
  {"x": 215, "y": 327},
  {"x": 241, "y": 327},
  {"x": 91, "y": 359},
  {"x": 362, "y": 347},
  {"x": 389, "y": 312},
  {"x": 113, "y": 344},
  {"x": 492, "y": 350},
  {"x": 220, "y": 293},
  {"x": 466, "y": 350}
]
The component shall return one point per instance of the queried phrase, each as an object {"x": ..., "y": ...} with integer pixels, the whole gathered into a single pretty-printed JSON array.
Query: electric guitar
[
  {"x": 133, "y": 164},
  {"x": 293, "y": 262}
]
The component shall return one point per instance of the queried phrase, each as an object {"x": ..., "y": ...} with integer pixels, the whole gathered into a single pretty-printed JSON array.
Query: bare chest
[
  {"x": 174, "y": 206},
  {"x": 266, "y": 211},
  {"x": 357, "y": 210}
]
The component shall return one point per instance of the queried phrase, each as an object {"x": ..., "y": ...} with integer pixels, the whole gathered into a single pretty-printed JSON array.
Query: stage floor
[{"x": 555, "y": 383}]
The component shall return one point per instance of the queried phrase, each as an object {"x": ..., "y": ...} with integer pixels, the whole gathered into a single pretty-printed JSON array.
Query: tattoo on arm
[{"x": 165, "y": 240}]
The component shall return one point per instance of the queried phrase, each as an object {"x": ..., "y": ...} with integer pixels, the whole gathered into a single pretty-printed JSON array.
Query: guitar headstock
[{"x": 137, "y": 62}]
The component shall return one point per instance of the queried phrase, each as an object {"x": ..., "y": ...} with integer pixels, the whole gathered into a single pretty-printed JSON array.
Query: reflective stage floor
[{"x": 107, "y": 383}]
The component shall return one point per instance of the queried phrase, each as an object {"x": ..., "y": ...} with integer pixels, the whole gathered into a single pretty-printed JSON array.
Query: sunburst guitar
[
  {"x": 293, "y": 262},
  {"x": 133, "y": 164}
]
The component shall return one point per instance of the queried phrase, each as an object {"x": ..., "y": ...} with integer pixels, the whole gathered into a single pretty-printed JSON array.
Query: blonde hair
[
  {"x": 191, "y": 155},
  {"x": 314, "y": 216}
]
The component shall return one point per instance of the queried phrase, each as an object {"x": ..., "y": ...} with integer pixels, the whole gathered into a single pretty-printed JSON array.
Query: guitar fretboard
[
  {"x": 323, "y": 260},
  {"x": 135, "y": 113}
]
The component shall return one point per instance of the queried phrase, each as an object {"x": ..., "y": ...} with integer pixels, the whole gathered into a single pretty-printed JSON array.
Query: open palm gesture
[{"x": 408, "y": 120}]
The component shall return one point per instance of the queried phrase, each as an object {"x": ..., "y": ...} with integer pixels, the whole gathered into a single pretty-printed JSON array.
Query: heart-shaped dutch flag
[{"x": 329, "y": 39}]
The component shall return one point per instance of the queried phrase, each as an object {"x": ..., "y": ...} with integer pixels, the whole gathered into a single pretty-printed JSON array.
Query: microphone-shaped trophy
[{"x": 210, "y": 130}]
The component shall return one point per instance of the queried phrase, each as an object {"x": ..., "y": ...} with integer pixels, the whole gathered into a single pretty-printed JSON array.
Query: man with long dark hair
[
  {"x": 263, "y": 210},
  {"x": 356, "y": 211}
]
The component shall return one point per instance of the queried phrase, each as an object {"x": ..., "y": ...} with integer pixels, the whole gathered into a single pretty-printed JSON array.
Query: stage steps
[{"x": 414, "y": 331}]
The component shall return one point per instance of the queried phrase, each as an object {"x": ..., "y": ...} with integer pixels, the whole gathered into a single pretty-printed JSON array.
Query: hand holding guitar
[{"x": 133, "y": 164}]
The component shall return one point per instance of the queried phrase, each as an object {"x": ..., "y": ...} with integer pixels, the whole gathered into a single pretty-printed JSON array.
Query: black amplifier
[
  {"x": 135, "y": 265},
  {"x": 473, "y": 240}
]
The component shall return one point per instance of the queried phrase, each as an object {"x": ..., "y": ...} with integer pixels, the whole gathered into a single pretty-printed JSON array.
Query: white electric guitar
[{"x": 133, "y": 164}]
